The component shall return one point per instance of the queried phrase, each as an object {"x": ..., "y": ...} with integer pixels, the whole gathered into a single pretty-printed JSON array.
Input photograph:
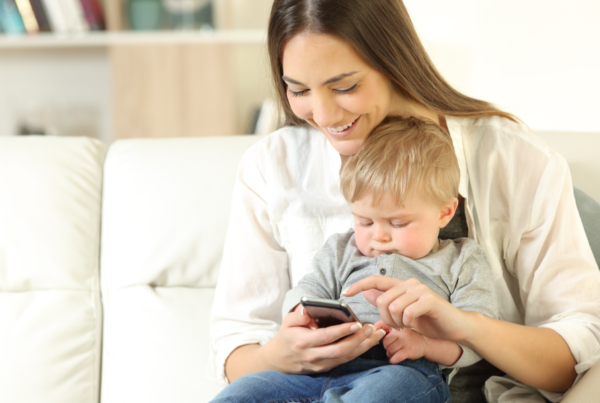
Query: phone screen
[
  {"x": 328, "y": 312},
  {"x": 324, "y": 316}
]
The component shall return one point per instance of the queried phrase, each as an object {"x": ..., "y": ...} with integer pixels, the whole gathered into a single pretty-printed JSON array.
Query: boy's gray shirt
[{"x": 458, "y": 272}]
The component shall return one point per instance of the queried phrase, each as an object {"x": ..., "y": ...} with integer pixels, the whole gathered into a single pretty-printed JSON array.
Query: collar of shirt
[
  {"x": 454, "y": 128},
  {"x": 335, "y": 158}
]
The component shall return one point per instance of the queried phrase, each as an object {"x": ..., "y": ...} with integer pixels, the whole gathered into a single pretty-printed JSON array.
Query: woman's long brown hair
[{"x": 382, "y": 33}]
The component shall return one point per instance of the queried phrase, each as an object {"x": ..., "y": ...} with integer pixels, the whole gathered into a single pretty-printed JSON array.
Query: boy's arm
[
  {"x": 322, "y": 281},
  {"x": 408, "y": 344},
  {"x": 444, "y": 352}
]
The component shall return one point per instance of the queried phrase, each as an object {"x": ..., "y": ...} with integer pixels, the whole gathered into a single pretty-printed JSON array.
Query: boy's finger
[
  {"x": 380, "y": 324},
  {"x": 398, "y": 357}
]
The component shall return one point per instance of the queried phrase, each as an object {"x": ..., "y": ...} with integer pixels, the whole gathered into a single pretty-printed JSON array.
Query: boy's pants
[{"x": 368, "y": 378}]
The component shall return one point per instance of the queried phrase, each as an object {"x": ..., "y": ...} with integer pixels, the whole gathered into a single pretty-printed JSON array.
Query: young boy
[{"x": 403, "y": 188}]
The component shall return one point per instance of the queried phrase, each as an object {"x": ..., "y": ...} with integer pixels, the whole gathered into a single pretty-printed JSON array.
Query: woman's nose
[{"x": 326, "y": 112}]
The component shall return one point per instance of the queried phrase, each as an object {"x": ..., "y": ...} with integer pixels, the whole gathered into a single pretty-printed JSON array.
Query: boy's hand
[{"x": 403, "y": 344}]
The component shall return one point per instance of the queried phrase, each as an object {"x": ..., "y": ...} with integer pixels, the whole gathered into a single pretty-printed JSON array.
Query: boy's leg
[
  {"x": 273, "y": 386},
  {"x": 412, "y": 381}
]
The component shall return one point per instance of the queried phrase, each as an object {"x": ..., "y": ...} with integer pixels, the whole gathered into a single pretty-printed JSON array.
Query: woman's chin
[{"x": 346, "y": 148}]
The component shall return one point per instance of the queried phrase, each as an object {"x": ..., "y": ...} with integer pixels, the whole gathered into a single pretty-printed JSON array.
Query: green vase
[{"x": 145, "y": 15}]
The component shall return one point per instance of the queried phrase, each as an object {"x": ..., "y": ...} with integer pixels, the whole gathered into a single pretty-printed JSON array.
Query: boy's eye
[
  {"x": 398, "y": 225},
  {"x": 366, "y": 223}
]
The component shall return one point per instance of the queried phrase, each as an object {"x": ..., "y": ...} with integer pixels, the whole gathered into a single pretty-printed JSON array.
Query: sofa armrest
[{"x": 587, "y": 389}]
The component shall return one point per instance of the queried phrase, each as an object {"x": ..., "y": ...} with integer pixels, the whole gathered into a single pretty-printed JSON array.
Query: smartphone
[{"x": 328, "y": 312}]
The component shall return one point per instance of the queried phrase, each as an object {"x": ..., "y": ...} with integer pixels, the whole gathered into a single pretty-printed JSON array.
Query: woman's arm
[
  {"x": 558, "y": 280},
  {"x": 242, "y": 361},
  {"x": 526, "y": 219},
  {"x": 538, "y": 357}
]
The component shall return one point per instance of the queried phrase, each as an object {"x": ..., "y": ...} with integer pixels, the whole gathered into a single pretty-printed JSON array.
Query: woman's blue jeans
[{"x": 368, "y": 378}]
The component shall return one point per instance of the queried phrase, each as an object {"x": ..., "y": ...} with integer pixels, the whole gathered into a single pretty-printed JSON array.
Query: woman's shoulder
[
  {"x": 291, "y": 138},
  {"x": 287, "y": 143},
  {"x": 501, "y": 131},
  {"x": 509, "y": 142},
  {"x": 291, "y": 158}
]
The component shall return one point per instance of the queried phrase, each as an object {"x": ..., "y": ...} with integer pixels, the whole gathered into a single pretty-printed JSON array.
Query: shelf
[{"x": 106, "y": 39}]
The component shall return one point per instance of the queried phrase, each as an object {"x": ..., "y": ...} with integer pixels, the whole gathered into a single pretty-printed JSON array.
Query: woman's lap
[{"x": 363, "y": 379}]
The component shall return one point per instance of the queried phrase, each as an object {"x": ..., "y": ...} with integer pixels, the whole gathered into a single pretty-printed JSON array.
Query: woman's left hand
[{"x": 408, "y": 303}]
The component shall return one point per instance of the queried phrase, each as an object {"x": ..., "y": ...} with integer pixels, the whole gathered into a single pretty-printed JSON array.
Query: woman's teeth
[{"x": 340, "y": 128}]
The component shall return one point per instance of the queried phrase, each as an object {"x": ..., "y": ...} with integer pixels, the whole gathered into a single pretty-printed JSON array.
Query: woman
[{"x": 340, "y": 67}]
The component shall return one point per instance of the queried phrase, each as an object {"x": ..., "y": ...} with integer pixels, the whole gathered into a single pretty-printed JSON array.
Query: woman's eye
[
  {"x": 347, "y": 90},
  {"x": 297, "y": 93}
]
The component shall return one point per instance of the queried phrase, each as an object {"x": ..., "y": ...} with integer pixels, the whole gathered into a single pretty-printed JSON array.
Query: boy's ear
[{"x": 447, "y": 212}]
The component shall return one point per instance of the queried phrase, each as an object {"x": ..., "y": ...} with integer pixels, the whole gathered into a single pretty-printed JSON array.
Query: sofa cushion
[
  {"x": 165, "y": 212},
  {"x": 589, "y": 211},
  {"x": 50, "y": 312}
]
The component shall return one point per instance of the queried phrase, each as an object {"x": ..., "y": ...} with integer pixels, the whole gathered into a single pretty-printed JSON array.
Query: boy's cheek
[{"x": 362, "y": 241}]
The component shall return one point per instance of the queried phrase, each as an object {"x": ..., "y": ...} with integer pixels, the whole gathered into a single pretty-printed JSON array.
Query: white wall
[
  {"x": 70, "y": 87},
  {"x": 539, "y": 59},
  {"x": 536, "y": 58}
]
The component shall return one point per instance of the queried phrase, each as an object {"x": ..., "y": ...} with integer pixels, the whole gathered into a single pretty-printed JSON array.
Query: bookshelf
[
  {"x": 165, "y": 83},
  {"x": 105, "y": 39}
]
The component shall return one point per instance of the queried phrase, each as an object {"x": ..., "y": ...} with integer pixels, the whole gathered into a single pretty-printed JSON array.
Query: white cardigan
[{"x": 520, "y": 208}]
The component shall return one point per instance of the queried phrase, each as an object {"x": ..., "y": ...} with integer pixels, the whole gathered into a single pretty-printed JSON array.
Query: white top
[{"x": 519, "y": 205}]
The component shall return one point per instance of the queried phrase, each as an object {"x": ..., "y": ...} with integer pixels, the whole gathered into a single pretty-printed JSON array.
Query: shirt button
[{"x": 382, "y": 271}]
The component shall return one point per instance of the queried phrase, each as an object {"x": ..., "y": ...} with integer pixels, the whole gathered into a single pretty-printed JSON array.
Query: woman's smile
[{"x": 344, "y": 130}]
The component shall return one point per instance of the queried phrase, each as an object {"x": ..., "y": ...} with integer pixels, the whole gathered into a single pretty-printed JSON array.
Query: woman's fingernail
[
  {"x": 302, "y": 311},
  {"x": 370, "y": 328},
  {"x": 380, "y": 334},
  {"x": 355, "y": 327},
  {"x": 345, "y": 291}
]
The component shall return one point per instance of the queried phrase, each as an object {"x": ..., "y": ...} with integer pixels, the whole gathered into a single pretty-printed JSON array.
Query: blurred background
[{"x": 162, "y": 68}]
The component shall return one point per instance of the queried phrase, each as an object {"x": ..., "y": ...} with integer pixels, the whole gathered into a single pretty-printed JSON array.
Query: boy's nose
[{"x": 380, "y": 235}]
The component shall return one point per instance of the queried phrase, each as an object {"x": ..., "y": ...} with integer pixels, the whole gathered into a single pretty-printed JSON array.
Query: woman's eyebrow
[
  {"x": 329, "y": 81},
  {"x": 339, "y": 77}
]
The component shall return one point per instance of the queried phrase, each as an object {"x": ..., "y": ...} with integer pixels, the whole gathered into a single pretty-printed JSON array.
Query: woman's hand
[
  {"x": 408, "y": 303},
  {"x": 299, "y": 349}
]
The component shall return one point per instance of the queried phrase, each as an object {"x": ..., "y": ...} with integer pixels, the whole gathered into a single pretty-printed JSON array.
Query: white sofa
[{"x": 108, "y": 264}]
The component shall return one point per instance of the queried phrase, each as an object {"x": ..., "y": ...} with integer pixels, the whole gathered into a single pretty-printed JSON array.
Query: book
[
  {"x": 40, "y": 15},
  {"x": 11, "y": 20},
  {"x": 55, "y": 16},
  {"x": 93, "y": 14},
  {"x": 74, "y": 17},
  {"x": 29, "y": 20}
]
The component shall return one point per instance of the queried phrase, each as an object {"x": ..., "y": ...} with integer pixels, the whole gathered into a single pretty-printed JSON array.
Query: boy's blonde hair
[{"x": 405, "y": 157}]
